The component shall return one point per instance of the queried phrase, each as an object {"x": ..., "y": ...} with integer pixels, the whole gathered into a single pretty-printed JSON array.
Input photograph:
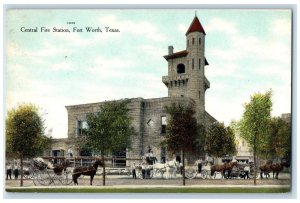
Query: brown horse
[
  {"x": 86, "y": 170},
  {"x": 266, "y": 169},
  {"x": 217, "y": 168},
  {"x": 228, "y": 167},
  {"x": 278, "y": 167},
  {"x": 222, "y": 168}
]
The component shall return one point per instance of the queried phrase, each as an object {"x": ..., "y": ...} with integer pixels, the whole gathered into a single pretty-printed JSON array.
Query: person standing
[
  {"x": 8, "y": 171},
  {"x": 247, "y": 171},
  {"x": 16, "y": 172},
  {"x": 134, "y": 171}
]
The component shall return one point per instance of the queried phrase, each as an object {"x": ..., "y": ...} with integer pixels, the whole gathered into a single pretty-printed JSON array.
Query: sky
[{"x": 248, "y": 51}]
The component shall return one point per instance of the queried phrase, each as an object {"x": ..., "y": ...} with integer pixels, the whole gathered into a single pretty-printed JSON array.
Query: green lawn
[{"x": 151, "y": 190}]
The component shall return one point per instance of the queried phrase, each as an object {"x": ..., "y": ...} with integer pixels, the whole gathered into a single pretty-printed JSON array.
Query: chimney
[{"x": 170, "y": 48}]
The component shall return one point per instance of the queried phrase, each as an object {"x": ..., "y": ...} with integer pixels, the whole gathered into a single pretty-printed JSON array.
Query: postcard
[{"x": 148, "y": 100}]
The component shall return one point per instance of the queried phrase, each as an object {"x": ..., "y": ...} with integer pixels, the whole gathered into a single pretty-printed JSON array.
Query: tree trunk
[
  {"x": 254, "y": 159},
  {"x": 22, "y": 173},
  {"x": 183, "y": 168},
  {"x": 103, "y": 174}
]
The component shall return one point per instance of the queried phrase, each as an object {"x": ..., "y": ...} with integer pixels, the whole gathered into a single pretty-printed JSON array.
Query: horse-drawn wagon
[
  {"x": 199, "y": 168},
  {"x": 46, "y": 174}
]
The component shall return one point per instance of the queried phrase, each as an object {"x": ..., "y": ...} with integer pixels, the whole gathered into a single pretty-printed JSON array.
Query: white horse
[
  {"x": 159, "y": 168},
  {"x": 172, "y": 167}
]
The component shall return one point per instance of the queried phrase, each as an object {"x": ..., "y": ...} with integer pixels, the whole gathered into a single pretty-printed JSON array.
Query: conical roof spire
[{"x": 195, "y": 26}]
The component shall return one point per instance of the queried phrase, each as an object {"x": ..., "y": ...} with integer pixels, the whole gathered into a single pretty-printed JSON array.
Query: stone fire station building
[{"x": 186, "y": 83}]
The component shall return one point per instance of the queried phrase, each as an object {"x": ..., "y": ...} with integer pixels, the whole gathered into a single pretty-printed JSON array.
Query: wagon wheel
[
  {"x": 43, "y": 177},
  {"x": 28, "y": 174},
  {"x": 204, "y": 174},
  {"x": 35, "y": 174},
  {"x": 190, "y": 173},
  {"x": 66, "y": 177}
]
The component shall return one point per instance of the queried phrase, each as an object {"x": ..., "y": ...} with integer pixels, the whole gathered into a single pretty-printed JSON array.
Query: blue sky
[{"x": 248, "y": 51}]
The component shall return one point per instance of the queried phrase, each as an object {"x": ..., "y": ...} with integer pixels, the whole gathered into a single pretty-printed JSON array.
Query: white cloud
[
  {"x": 221, "y": 25},
  {"x": 62, "y": 66},
  {"x": 182, "y": 28}
]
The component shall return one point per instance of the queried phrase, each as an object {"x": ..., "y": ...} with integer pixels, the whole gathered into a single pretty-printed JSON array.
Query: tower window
[
  {"x": 199, "y": 94},
  {"x": 193, "y": 41},
  {"x": 180, "y": 68},
  {"x": 187, "y": 43},
  {"x": 199, "y": 64},
  {"x": 199, "y": 40},
  {"x": 192, "y": 63}
]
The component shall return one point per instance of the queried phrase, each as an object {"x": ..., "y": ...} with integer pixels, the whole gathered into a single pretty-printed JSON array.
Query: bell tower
[{"x": 186, "y": 74}]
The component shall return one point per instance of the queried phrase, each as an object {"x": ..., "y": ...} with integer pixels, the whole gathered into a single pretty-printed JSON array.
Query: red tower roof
[{"x": 195, "y": 26}]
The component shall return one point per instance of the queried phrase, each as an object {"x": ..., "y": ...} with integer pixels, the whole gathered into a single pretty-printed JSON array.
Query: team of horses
[{"x": 269, "y": 167}]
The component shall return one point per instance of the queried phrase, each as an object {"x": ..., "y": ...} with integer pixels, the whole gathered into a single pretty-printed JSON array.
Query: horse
[
  {"x": 278, "y": 167},
  {"x": 222, "y": 168},
  {"x": 266, "y": 169},
  {"x": 159, "y": 168},
  {"x": 172, "y": 167},
  {"x": 217, "y": 168},
  {"x": 228, "y": 167},
  {"x": 86, "y": 170}
]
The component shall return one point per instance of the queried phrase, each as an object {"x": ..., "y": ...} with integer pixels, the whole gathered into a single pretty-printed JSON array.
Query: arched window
[
  {"x": 193, "y": 41},
  {"x": 180, "y": 68}
]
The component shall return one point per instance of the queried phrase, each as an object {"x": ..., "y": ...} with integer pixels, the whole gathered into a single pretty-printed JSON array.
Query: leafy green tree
[
  {"x": 25, "y": 136},
  {"x": 109, "y": 130},
  {"x": 255, "y": 124},
  {"x": 220, "y": 140},
  {"x": 182, "y": 132},
  {"x": 279, "y": 140}
]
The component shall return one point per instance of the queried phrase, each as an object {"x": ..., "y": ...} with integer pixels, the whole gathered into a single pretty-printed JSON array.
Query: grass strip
[{"x": 151, "y": 190}]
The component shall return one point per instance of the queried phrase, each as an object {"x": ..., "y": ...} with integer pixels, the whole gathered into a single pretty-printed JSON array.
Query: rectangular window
[
  {"x": 193, "y": 41},
  {"x": 199, "y": 40},
  {"x": 199, "y": 64},
  {"x": 192, "y": 63},
  {"x": 163, "y": 124},
  {"x": 199, "y": 94},
  {"x": 81, "y": 127}
]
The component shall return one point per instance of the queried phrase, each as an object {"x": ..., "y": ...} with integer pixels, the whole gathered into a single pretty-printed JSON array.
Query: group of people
[{"x": 12, "y": 170}]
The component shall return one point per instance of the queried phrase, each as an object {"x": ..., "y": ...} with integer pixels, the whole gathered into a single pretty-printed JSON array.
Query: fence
[{"x": 112, "y": 162}]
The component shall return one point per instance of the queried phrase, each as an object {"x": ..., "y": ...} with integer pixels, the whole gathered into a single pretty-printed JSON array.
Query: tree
[
  {"x": 109, "y": 130},
  {"x": 279, "y": 139},
  {"x": 182, "y": 132},
  {"x": 25, "y": 133},
  {"x": 220, "y": 140},
  {"x": 254, "y": 125}
]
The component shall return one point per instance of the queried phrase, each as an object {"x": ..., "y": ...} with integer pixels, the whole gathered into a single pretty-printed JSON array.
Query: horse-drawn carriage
[
  {"x": 203, "y": 169},
  {"x": 227, "y": 170},
  {"x": 46, "y": 174}
]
